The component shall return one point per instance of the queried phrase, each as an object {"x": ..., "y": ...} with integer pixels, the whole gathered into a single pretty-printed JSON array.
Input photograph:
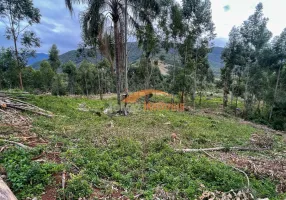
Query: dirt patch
[
  {"x": 163, "y": 68},
  {"x": 14, "y": 120},
  {"x": 263, "y": 127},
  {"x": 16, "y": 127},
  {"x": 274, "y": 169},
  {"x": 50, "y": 156},
  {"x": 50, "y": 193},
  {"x": 115, "y": 193}
]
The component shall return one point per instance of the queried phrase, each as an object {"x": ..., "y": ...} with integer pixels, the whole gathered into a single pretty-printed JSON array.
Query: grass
[{"x": 137, "y": 154}]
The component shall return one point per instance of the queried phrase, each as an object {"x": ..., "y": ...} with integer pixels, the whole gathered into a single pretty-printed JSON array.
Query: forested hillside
[{"x": 134, "y": 55}]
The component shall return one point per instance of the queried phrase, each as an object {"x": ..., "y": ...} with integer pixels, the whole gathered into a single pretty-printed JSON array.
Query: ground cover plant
[{"x": 108, "y": 155}]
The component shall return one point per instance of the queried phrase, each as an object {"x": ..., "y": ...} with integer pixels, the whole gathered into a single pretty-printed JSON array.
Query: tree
[
  {"x": 232, "y": 56},
  {"x": 149, "y": 42},
  {"x": 273, "y": 57},
  {"x": 54, "y": 58},
  {"x": 17, "y": 16},
  {"x": 255, "y": 35},
  {"x": 28, "y": 77},
  {"x": 86, "y": 76},
  {"x": 58, "y": 87},
  {"x": 70, "y": 69},
  {"x": 8, "y": 71},
  {"x": 197, "y": 17},
  {"x": 47, "y": 75},
  {"x": 105, "y": 10}
]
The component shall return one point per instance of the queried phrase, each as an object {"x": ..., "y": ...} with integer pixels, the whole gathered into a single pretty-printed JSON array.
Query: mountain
[
  {"x": 215, "y": 60},
  {"x": 38, "y": 57},
  {"x": 134, "y": 54},
  {"x": 220, "y": 42}
]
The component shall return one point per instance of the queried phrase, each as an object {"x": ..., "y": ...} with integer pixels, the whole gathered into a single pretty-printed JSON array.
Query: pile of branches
[{"x": 7, "y": 102}]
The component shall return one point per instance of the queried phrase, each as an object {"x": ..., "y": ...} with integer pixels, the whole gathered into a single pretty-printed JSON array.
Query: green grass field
[{"x": 131, "y": 155}]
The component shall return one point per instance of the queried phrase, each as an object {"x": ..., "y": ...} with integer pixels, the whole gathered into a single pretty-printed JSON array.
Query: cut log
[
  {"x": 5, "y": 192},
  {"x": 220, "y": 149},
  {"x": 30, "y": 110},
  {"x": 16, "y": 143}
]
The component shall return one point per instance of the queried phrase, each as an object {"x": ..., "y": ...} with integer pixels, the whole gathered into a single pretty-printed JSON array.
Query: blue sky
[{"x": 59, "y": 27}]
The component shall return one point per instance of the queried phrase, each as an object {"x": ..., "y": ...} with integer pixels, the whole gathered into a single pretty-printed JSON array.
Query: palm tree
[{"x": 111, "y": 13}]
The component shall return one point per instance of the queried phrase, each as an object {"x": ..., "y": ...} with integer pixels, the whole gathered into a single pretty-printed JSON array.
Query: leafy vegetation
[
  {"x": 28, "y": 178},
  {"x": 138, "y": 155}
]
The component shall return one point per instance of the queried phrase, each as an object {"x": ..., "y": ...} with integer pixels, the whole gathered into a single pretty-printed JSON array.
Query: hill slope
[
  {"x": 112, "y": 157},
  {"x": 38, "y": 58},
  {"x": 135, "y": 53}
]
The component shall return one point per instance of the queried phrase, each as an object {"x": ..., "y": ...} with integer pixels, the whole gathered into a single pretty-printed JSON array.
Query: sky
[{"x": 59, "y": 27}]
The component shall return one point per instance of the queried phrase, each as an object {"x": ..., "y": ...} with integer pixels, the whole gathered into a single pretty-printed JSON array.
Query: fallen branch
[
  {"x": 30, "y": 110},
  {"x": 3, "y": 111},
  {"x": 64, "y": 182},
  {"x": 16, "y": 143},
  {"x": 8, "y": 102},
  {"x": 3, "y": 148},
  {"x": 220, "y": 149}
]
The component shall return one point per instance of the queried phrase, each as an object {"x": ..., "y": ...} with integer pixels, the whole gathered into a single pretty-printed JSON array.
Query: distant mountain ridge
[
  {"x": 134, "y": 55},
  {"x": 38, "y": 58}
]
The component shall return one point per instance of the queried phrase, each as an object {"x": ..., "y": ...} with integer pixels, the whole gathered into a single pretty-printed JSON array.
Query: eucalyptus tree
[
  {"x": 86, "y": 76},
  {"x": 197, "y": 16},
  {"x": 70, "y": 69},
  {"x": 47, "y": 75},
  {"x": 274, "y": 57},
  {"x": 54, "y": 57},
  {"x": 8, "y": 73},
  {"x": 171, "y": 31},
  {"x": 232, "y": 57},
  {"x": 256, "y": 35},
  {"x": 112, "y": 12},
  {"x": 149, "y": 42},
  {"x": 17, "y": 16}
]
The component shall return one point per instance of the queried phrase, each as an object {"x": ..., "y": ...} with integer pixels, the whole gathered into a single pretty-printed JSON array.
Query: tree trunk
[
  {"x": 126, "y": 56},
  {"x": 17, "y": 58},
  {"x": 225, "y": 88},
  {"x": 275, "y": 92},
  {"x": 86, "y": 89},
  {"x": 195, "y": 81},
  {"x": 236, "y": 100},
  {"x": 246, "y": 98},
  {"x": 99, "y": 85},
  {"x": 200, "y": 98},
  {"x": 231, "y": 96},
  {"x": 236, "y": 95},
  {"x": 117, "y": 49}
]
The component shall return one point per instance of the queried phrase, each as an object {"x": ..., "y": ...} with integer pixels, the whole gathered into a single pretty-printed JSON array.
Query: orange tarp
[{"x": 137, "y": 95}]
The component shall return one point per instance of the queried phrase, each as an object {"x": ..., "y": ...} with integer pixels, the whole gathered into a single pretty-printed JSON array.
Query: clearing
[{"x": 82, "y": 152}]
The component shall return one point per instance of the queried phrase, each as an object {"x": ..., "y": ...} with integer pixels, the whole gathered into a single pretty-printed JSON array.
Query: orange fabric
[{"x": 137, "y": 95}]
